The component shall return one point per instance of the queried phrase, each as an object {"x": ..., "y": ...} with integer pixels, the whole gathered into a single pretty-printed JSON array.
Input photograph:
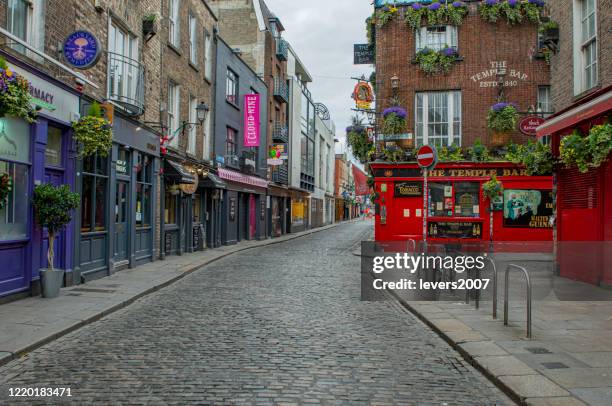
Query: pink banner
[{"x": 251, "y": 120}]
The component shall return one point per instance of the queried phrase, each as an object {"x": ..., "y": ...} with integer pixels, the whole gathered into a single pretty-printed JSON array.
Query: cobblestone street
[{"x": 282, "y": 324}]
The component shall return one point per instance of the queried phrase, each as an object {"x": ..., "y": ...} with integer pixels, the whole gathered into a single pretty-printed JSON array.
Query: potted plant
[
  {"x": 149, "y": 28},
  {"x": 14, "y": 94},
  {"x": 549, "y": 31},
  {"x": 52, "y": 210},
  {"x": 93, "y": 133},
  {"x": 394, "y": 123},
  {"x": 502, "y": 119},
  {"x": 478, "y": 152}
]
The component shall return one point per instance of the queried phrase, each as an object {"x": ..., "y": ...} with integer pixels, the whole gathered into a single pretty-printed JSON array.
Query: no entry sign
[{"x": 427, "y": 157}]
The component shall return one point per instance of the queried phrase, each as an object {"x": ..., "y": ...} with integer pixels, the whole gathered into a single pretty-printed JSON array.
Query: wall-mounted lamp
[{"x": 395, "y": 82}]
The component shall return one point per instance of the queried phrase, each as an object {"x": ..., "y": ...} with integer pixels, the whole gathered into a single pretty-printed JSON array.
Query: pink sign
[{"x": 251, "y": 120}]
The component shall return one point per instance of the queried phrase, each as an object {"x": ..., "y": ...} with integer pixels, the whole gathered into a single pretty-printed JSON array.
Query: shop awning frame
[
  {"x": 574, "y": 116},
  {"x": 181, "y": 175},
  {"x": 212, "y": 180}
]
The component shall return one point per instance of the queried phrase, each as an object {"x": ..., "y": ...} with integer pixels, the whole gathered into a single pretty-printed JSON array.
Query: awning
[
  {"x": 576, "y": 115},
  {"x": 213, "y": 181},
  {"x": 242, "y": 178},
  {"x": 177, "y": 173}
]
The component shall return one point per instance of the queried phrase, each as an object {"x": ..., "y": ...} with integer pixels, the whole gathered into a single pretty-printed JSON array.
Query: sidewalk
[
  {"x": 32, "y": 322},
  {"x": 568, "y": 361}
]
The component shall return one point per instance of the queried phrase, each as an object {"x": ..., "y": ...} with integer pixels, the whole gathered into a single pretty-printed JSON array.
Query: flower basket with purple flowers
[
  {"x": 502, "y": 119},
  {"x": 14, "y": 94},
  {"x": 394, "y": 122},
  {"x": 514, "y": 11},
  {"x": 436, "y": 13},
  {"x": 386, "y": 14},
  {"x": 434, "y": 62}
]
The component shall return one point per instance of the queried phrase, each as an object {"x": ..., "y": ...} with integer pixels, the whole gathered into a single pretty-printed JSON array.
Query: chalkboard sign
[
  {"x": 197, "y": 236},
  {"x": 232, "y": 209},
  {"x": 364, "y": 54},
  {"x": 263, "y": 209},
  {"x": 168, "y": 241}
]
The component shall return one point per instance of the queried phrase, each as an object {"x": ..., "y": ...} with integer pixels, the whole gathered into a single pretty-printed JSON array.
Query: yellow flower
[
  {"x": 393, "y": 9},
  {"x": 9, "y": 73}
]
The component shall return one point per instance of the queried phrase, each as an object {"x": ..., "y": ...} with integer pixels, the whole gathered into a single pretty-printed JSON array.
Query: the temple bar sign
[
  {"x": 364, "y": 54},
  {"x": 498, "y": 73},
  {"x": 476, "y": 173}
]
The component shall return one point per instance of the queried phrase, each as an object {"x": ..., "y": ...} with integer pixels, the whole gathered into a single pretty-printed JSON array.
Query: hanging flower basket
[
  {"x": 436, "y": 13},
  {"x": 6, "y": 185},
  {"x": 93, "y": 133},
  {"x": 587, "y": 152},
  {"x": 15, "y": 95},
  {"x": 513, "y": 11},
  {"x": 502, "y": 119},
  {"x": 492, "y": 189},
  {"x": 394, "y": 123}
]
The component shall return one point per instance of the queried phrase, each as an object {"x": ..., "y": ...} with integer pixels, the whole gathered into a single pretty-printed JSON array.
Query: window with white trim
[
  {"x": 436, "y": 37},
  {"x": 193, "y": 39},
  {"x": 174, "y": 93},
  {"x": 25, "y": 19},
  {"x": 123, "y": 56},
  {"x": 544, "y": 100},
  {"x": 174, "y": 21},
  {"x": 585, "y": 45},
  {"x": 193, "y": 118},
  {"x": 438, "y": 118},
  {"x": 207, "y": 56}
]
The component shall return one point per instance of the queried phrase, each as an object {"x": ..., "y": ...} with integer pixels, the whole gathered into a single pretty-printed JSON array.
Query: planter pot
[
  {"x": 551, "y": 34},
  {"x": 51, "y": 281},
  {"x": 500, "y": 139},
  {"x": 406, "y": 144},
  {"x": 148, "y": 28}
]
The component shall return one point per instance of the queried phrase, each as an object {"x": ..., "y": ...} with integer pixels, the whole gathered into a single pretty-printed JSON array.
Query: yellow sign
[{"x": 189, "y": 188}]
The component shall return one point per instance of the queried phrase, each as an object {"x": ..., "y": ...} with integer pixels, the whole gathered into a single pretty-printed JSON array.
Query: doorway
[{"x": 121, "y": 221}]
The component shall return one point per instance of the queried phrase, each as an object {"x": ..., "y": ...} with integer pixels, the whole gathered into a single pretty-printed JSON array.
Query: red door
[{"x": 252, "y": 217}]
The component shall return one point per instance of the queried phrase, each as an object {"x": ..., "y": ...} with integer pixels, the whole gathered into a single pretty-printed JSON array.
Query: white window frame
[
  {"x": 585, "y": 46},
  {"x": 424, "y": 37},
  {"x": 544, "y": 100},
  {"x": 175, "y": 23},
  {"x": 34, "y": 26},
  {"x": 454, "y": 136},
  {"x": 123, "y": 75},
  {"x": 207, "y": 56},
  {"x": 207, "y": 135},
  {"x": 174, "y": 97},
  {"x": 193, "y": 39},
  {"x": 193, "y": 117}
]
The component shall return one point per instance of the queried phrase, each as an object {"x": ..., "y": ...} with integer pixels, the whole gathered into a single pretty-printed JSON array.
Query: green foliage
[
  {"x": 385, "y": 15},
  {"x": 536, "y": 157},
  {"x": 414, "y": 17},
  {"x": 371, "y": 29},
  {"x": 514, "y": 13},
  {"x": 393, "y": 154},
  {"x": 433, "y": 62},
  {"x": 587, "y": 152},
  {"x": 445, "y": 14},
  {"x": 93, "y": 133},
  {"x": 6, "y": 185},
  {"x": 394, "y": 124},
  {"x": 360, "y": 145},
  {"x": 478, "y": 152},
  {"x": 15, "y": 94},
  {"x": 493, "y": 188},
  {"x": 503, "y": 120},
  {"x": 532, "y": 12},
  {"x": 548, "y": 25},
  {"x": 450, "y": 154},
  {"x": 53, "y": 207}
]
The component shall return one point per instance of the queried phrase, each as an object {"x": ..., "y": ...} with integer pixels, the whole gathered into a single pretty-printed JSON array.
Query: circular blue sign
[{"x": 82, "y": 49}]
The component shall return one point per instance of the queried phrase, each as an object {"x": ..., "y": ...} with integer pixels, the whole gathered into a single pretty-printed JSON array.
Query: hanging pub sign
[
  {"x": 82, "y": 49},
  {"x": 189, "y": 188},
  {"x": 529, "y": 124},
  {"x": 408, "y": 189},
  {"x": 528, "y": 208},
  {"x": 251, "y": 120},
  {"x": 363, "y": 54},
  {"x": 455, "y": 229},
  {"x": 363, "y": 95}
]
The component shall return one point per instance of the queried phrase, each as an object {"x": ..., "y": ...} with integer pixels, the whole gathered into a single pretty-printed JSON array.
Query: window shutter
[{"x": 582, "y": 189}]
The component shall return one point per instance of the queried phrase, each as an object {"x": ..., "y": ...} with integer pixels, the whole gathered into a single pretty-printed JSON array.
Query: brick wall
[
  {"x": 480, "y": 44},
  {"x": 562, "y": 64}
]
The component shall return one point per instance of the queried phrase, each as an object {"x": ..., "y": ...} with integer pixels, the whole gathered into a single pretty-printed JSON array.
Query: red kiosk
[{"x": 456, "y": 207}]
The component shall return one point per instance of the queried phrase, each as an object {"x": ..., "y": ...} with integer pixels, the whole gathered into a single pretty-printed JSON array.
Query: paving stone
[
  {"x": 483, "y": 348},
  {"x": 558, "y": 401},
  {"x": 505, "y": 365},
  {"x": 529, "y": 386},
  {"x": 594, "y": 396}
]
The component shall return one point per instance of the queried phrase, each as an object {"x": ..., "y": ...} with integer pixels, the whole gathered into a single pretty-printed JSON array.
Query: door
[
  {"x": 121, "y": 221},
  {"x": 252, "y": 217}
]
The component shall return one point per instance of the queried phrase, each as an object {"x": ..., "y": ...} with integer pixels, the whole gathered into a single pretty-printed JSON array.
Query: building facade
[
  {"x": 581, "y": 79},
  {"x": 242, "y": 168},
  {"x": 341, "y": 187},
  {"x": 323, "y": 197}
]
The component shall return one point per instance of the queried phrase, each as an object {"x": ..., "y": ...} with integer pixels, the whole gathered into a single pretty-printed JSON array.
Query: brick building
[
  {"x": 581, "y": 69},
  {"x": 495, "y": 62}
]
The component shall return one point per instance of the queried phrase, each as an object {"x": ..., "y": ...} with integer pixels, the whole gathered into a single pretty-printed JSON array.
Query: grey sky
[{"x": 323, "y": 32}]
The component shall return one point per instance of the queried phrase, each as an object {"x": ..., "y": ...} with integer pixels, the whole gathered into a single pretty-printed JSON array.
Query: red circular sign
[
  {"x": 427, "y": 156},
  {"x": 529, "y": 124}
]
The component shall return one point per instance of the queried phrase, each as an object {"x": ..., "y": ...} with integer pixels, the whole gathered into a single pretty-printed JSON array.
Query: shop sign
[
  {"x": 275, "y": 162},
  {"x": 408, "y": 189},
  {"x": 121, "y": 167},
  {"x": 251, "y": 120},
  {"x": 363, "y": 94},
  {"x": 395, "y": 137},
  {"x": 14, "y": 139},
  {"x": 455, "y": 229},
  {"x": 189, "y": 188},
  {"x": 499, "y": 69},
  {"x": 528, "y": 208},
  {"x": 55, "y": 102},
  {"x": 529, "y": 124},
  {"x": 476, "y": 173},
  {"x": 82, "y": 49},
  {"x": 232, "y": 208},
  {"x": 363, "y": 54}
]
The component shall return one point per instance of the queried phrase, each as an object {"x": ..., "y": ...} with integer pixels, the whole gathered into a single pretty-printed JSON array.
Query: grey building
[{"x": 242, "y": 170}]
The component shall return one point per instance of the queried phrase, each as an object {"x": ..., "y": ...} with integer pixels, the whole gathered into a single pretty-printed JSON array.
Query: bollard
[{"x": 506, "y": 289}]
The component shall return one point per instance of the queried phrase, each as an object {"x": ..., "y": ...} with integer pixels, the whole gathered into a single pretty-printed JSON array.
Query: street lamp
[{"x": 202, "y": 112}]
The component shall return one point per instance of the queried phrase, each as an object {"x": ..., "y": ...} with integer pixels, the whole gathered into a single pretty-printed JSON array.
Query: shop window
[
  {"x": 436, "y": 37},
  {"x": 143, "y": 191},
  {"x": 467, "y": 199},
  {"x": 441, "y": 199},
  {"x": 93, "y": 194},
  {"x": 14, "y": 214},
  {"x": 122, "y": 165},
  {"x": 438, "y": 118},
  {"x": 53, "y": 150},
  {"x": 170, "y": 209}
]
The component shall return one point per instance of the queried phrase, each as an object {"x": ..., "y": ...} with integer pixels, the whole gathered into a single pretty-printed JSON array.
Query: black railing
[
  {"x": 281, "y": 90},
  {"x": 126, "y": 78},
  {"x": 282, "y": 49},
  {"x": 280, "y": 133}
]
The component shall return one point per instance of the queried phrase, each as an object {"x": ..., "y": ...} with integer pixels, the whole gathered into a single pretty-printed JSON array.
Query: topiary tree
[{"x": 52, "y": 209}]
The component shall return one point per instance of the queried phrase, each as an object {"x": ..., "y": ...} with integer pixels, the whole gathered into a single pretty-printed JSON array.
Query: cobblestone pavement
[{"x": 281, "y": 324}]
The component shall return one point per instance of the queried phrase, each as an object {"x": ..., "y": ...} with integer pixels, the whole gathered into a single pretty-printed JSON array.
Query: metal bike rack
[
  {"x": 506, "y": 288},
  {"x": 413, "y": 243},
  {"x": 494, "y": 287}
]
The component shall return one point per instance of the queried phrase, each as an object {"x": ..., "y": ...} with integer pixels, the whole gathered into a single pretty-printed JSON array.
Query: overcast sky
[{"x": 323, "y": 32}]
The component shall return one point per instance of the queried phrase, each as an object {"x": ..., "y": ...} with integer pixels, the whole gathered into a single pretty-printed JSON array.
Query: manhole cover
[
  {"x": 538, "y": 350},
  {"x": 91, "y": 290},
  {"x": 554, "y": 365}
]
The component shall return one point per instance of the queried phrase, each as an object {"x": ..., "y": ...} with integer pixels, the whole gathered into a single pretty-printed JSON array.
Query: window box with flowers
[
  {"x": 502, "y": 119},
  {"x": 434, "y": 62},
  {"x": 513, "y": 11},
  {"x": 14, "y": 95}
]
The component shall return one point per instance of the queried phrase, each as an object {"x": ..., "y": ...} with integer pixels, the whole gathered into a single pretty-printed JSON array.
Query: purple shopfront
[{"x": 31, "y": 154}]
